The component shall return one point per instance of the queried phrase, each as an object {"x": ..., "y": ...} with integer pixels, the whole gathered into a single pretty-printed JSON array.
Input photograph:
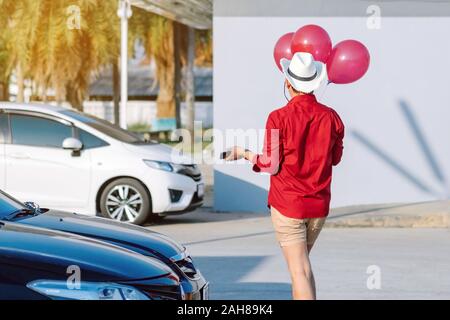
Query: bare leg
[
  {"x": 309, "y": 247},
  {"x": 303, "y": 287},
  {"x": 313, "y": 280}
]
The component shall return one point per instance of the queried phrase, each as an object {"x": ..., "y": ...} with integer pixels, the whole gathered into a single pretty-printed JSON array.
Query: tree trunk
[
  {"x": 20, "y": 84},
  {"x": 73, "y": 97},
  {"x": 190, "y": 81},
  {"x": 165, "y": 69},
  {"x": 177, "y": 72},
  {"x": 44, "y": 93},
  {"x": 4, "y": 90},
  {"x": 116, "y": 92}
]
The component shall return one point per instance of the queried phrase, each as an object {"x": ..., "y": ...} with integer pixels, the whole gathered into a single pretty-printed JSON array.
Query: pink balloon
[
  {"x": 312, "y": 39},
  {"x": 348, "y": 62},
  {"x": 283, "y": 48}
]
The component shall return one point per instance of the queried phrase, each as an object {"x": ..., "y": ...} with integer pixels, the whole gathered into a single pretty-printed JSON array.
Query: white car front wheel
[{"x": 126, "y": 200}]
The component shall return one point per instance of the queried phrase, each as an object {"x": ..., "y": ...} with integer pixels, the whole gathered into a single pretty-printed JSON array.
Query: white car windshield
[{"x": 106, "y": 127}]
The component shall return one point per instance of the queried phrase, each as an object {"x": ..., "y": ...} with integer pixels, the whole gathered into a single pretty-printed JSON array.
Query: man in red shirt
[{"x": 303, "y": 141}]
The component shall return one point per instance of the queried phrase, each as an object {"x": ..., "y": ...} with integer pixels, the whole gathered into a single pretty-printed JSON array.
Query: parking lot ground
[{"x": 238, "y": 254}]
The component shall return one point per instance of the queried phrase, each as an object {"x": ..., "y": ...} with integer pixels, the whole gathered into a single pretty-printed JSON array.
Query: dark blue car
[{"x": 47, "y": 254}]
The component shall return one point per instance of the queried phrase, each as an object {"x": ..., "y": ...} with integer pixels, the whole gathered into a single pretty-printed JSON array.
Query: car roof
[{"x": 37, "y": 107}]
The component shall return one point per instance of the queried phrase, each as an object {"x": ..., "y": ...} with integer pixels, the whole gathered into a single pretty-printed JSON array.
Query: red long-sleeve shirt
[{"x": 303, "y": 141}]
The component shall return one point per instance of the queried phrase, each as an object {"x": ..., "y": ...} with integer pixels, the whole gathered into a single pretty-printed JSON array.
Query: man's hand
[{"x": 237, "y": 153}]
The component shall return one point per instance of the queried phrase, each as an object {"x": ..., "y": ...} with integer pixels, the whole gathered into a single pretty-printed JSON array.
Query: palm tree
[
  {"x": 116, "y": 90},
  {"x": 204, "y": 48},
  {"x": 37, "y": 43},
  {"x": 199, "y": 51},
  {"x": 55, "y": 54},
  {"x": 17, "y": 21},
  {"x": 157, "y": 35},
  {"x": 4, "y": 72}
]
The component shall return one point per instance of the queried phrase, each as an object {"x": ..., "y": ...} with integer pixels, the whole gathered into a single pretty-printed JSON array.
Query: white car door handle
[{"x": 19, "y": 156}]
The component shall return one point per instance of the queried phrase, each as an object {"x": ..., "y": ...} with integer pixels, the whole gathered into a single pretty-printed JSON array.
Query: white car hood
[{"x": 158, "y": 152}]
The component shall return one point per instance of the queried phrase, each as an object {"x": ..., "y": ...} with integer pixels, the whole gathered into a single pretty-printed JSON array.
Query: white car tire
[{"x": 126, "y": 200}]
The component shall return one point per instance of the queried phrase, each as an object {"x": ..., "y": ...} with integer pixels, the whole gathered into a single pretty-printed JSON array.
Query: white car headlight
[
  {"x": 60, "y": 290},
  {"x": 160, "y": 165},
  {"x": 165, "y": 166}
]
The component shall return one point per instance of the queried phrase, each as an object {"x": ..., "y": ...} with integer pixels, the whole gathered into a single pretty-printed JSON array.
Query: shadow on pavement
[
  {"x": 349, "y": 211},
  {"x": 247, "y": 235},
  {"x": 225, "y": 274},
  {"x": 206, "y": 214}
]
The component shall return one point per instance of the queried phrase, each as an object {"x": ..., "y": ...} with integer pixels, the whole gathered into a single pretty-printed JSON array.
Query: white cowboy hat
[{"x": 303, "y": 73}]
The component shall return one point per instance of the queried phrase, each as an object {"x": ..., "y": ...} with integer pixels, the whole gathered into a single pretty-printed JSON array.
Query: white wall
[{"x": 389, "y": 156}]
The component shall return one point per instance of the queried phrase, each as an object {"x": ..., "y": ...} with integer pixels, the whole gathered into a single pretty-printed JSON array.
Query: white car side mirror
[{"x": 72, "y": 144}]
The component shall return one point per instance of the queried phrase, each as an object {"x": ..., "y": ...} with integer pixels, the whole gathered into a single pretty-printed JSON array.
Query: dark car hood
[
  {"x": 31, "y": 252},
  {"x": 126, "y": 235}
]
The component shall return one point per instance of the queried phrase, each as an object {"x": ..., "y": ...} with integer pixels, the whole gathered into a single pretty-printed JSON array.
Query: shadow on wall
[
  {"x": 424, "y": 147},
  {"x": 256, "y": 197}
]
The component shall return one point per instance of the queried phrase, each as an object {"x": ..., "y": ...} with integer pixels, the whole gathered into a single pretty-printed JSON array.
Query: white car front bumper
[{"x": 161, "y": 183}]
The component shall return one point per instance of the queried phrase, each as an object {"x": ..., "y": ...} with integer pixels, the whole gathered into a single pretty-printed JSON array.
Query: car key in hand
[{"x": 225, "y": 154}]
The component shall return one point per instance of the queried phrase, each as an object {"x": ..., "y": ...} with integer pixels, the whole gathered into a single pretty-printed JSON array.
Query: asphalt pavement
[{"x": 238, "y": 254}]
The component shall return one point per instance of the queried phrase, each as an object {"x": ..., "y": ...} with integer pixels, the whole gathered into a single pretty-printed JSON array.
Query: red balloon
[
  {"x": 348, "y": 62},
  {"x": 312, "y": 39},
  {"x": 283, "y": 48}
]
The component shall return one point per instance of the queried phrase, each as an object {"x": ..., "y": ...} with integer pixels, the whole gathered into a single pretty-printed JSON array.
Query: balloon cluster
[{"x": 346, "y": 62}]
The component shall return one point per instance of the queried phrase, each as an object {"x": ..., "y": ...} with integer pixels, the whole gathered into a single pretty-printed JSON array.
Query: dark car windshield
[
  {"x": 105, "y": 127},
  {"x": 9, "y": 205}
]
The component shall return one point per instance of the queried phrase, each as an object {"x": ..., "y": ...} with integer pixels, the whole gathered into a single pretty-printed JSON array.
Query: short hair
[{"x": 298, "y": 91}]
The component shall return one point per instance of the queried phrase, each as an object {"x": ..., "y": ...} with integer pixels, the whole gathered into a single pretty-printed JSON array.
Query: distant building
[
  {"x": 142, "y": 94},
  {"x": 141, "y": 86}
]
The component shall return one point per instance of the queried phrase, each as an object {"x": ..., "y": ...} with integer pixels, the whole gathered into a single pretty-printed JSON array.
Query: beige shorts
[{"x": 291, "y": 231}]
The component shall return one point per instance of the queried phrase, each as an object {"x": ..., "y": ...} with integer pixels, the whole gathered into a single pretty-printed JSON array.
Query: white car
[{"x": 71, "y": 161}]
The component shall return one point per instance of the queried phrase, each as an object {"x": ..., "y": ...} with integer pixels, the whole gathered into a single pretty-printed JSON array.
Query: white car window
[
  {"x": 105, "y": 127},
  {"x": 3, "y": 128},
  {"x": 89, "y": 140},
  {"x": 40, "y": 132}
]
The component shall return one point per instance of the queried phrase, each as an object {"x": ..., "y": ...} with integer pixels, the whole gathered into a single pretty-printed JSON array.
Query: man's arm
[
  {"x": 269, "y": 160},
  {"x": 338, "y": 147}
]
